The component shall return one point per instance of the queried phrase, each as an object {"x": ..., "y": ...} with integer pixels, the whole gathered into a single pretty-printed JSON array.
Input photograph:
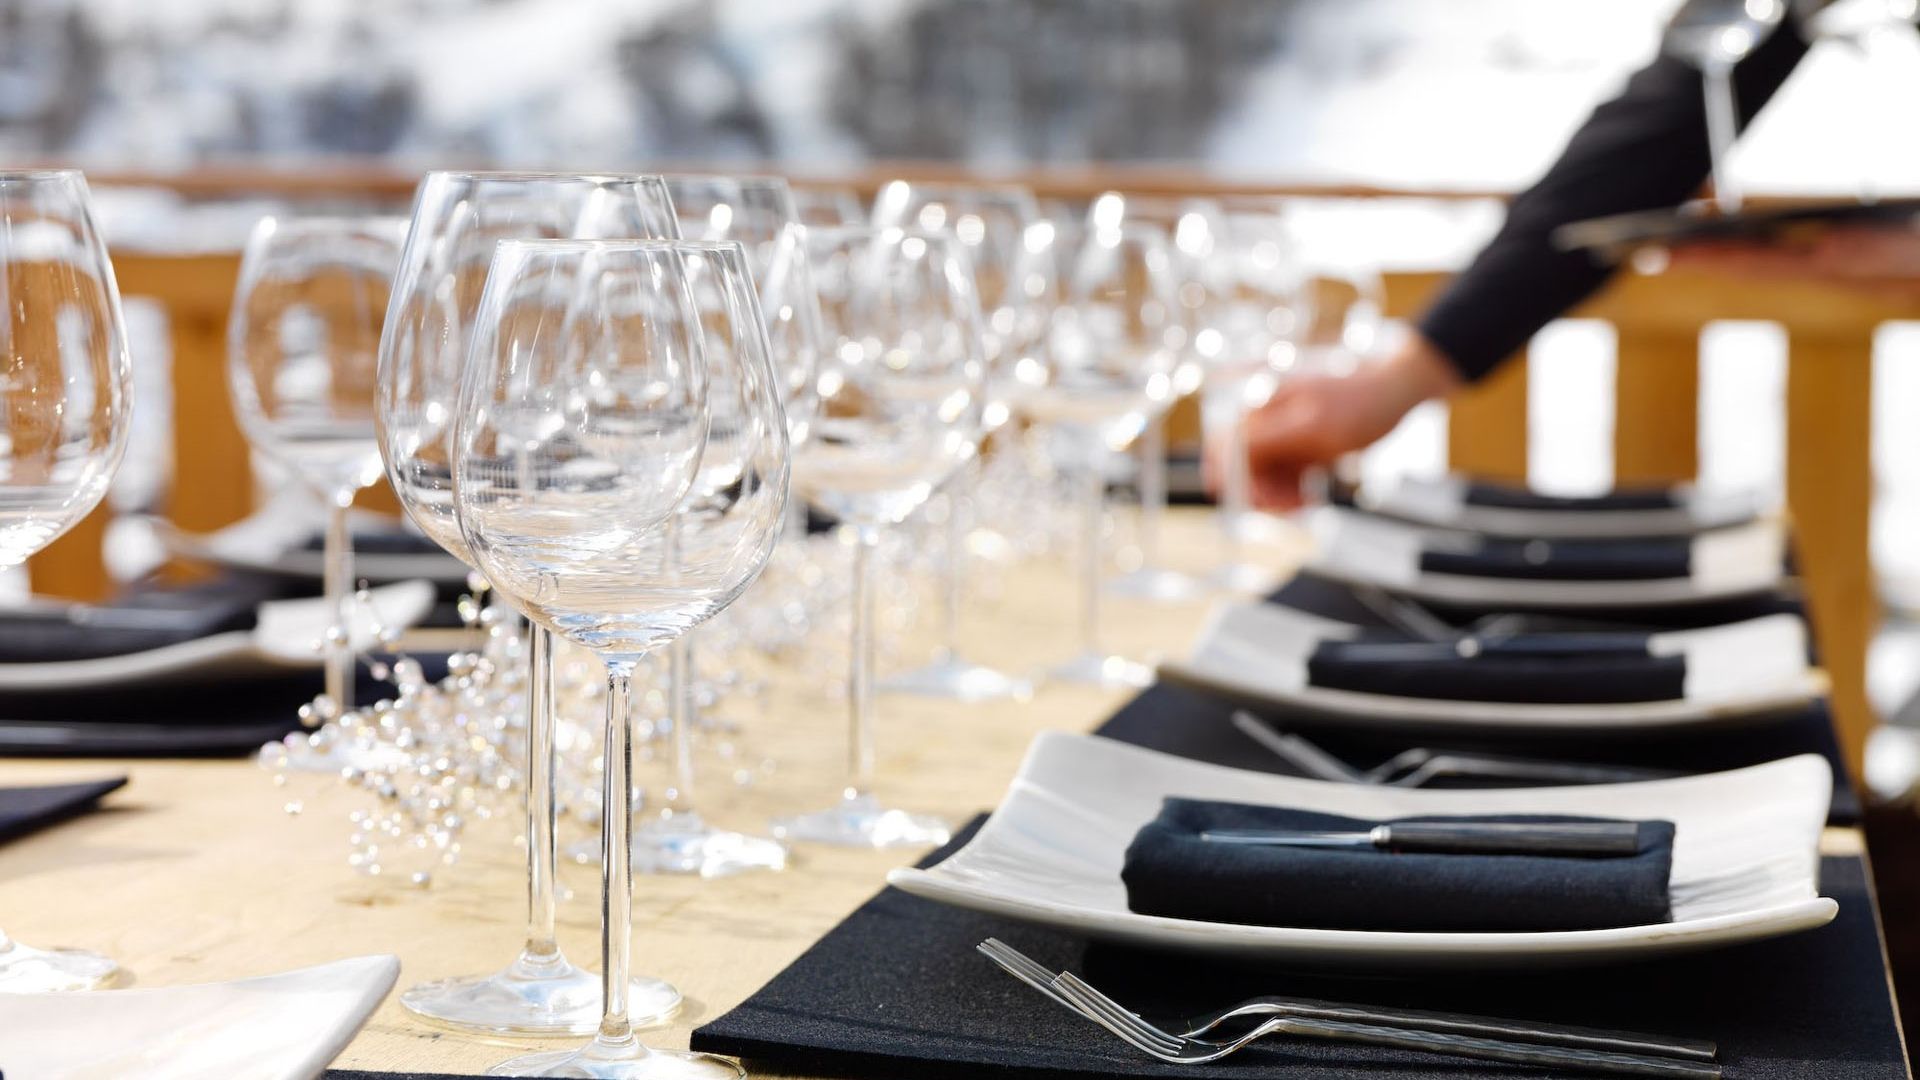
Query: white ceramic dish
[
  {"x": 275, "y": 1027},
  {"x": 1442, "y": 502},
  {"x": 284, "y": 637},
  {"x": 1258, "y": 653},
  {"x": 272, "y": 539},
  {"x": 1361, "y": 549},
  {"x": 1745, "y": 859}
]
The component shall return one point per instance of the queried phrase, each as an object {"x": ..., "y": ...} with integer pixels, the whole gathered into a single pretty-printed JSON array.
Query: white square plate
[
  {"x": 1258, "y": 653},
  {"x": 1745, "y": 857},
  {"x": 1442, "y": 502},
  {"x": 274, "y": 1027},
  {"x": 284, "y": 637},
  {"x": 1361, "y": 549}
]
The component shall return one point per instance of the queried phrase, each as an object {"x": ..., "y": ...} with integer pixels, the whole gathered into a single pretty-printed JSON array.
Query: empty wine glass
[
  {"x": 1263, "y": 318},
  {"x": 1113, "y": 352},
  {"x": 1194, "y": 227},
  {"x": 1715, "y": 35},
  {"x": 901, "y": 393},
  {"x": 992, "y": 224},
  {"x": 302, "y": 346},
  {"x": 65, "y": 398},
  {"x": 830, "y": 206},
  {"x": 586, "y": 496},
  {"x": 458, "y": 219}
]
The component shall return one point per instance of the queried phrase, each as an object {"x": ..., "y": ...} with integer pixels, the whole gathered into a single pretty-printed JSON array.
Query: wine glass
[
  {"x": 1715, "y": 35},
  {"x": 585, "y": 493},
  {"x": 829, "y": 206},
  {"x": 65, "y": 398},
  {"x": 1194, "y": 227},
  {"x": 902, "y": 387},
  {"x": 1263, "y": 321},
  {"x": 992, "y": 225},
  {"x": 1113, "y": 352},
  {"x": 302, "y": 343},
  {"x": 457, "y": 221}
]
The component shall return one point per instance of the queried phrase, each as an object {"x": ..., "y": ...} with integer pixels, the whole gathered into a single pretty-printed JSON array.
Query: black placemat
[
  {"x": 897, "y": 991},
  {"x": 27, "y": 809}
]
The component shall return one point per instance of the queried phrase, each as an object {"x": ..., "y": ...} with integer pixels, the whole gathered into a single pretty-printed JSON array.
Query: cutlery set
[{"x": 1588, "y": 1050}]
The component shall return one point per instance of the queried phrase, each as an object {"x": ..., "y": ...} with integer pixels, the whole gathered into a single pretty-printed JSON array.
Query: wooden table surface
[{"x": 195, "y": 872}]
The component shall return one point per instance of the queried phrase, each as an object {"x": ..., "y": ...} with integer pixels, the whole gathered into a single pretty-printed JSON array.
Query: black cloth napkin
[
  {"x": 1566, "y": 560},
  {"x": 897, "y": 991},
  {"x": 25, "y": 809},
  {"x": 382, "y": 542},
  {"x": 1539, "y": 668},
  {"x": 147, "y": 617},
  {"x": 1171, "y": 872},
  {"x": 1508, "y": 497}
]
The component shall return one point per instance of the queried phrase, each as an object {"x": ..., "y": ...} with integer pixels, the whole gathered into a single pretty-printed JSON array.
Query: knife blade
[{"x": 1586, "y": 838}]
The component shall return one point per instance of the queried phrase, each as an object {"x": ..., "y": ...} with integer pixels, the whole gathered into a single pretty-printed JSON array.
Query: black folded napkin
[
  {"x": 1538, "y": 668},
  {"x": 383, "y": 542},
  {"x": 148, "y": 617},
  {"x": 1170, "y": 871},
  {"x": 25, "y": 809},
  {"x": 1567, "y": 560},
  {"x": 1507, "y": 497}
]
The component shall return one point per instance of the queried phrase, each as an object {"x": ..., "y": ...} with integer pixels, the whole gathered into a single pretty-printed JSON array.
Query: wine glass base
[
  {"x": 686, "y": 844},
  {"x": 1243, "y": 578},
  {"x": 26, "y": 970},
  {"x": 957, "y": 679},
  {"x": 633, "y": 1062},
  {"x": 862, "y": 822},
  {"x": 1105, "y": 672},
  {"x": 1158, "y": 585},
  {"x": 534, "y": 997}
]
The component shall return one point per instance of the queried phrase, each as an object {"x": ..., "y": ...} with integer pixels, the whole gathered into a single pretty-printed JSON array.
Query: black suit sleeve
[{"x": 1643, "y": 150}]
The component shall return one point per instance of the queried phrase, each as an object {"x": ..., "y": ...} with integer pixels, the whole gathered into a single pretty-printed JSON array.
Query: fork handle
[
  {"x": 1625, "y": 1042},
  {"x": 1602, "y": 1062}
]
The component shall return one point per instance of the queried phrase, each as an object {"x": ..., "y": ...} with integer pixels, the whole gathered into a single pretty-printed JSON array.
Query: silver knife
[{"x": 1586, "y": 838}]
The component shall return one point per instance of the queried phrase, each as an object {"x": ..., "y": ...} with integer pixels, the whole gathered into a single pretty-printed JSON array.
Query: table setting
[{"x": 1445, "y": 778}]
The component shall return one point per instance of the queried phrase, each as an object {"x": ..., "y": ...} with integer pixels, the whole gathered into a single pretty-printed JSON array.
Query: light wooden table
[{"x": 195, "y": 872}]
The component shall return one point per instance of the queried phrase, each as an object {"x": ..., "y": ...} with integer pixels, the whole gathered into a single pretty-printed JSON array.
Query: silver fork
[
  {"x": 1040, "y": 978},
  {"x": 1180, "y": 1050},
  {"x": 1418, "y": 766}
]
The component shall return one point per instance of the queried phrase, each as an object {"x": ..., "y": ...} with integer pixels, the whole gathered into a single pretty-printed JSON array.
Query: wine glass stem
[
  {"x": 680, "y": 716},
  {"x": 860, "y": 671},
  {"x": 338, "y": 546},
  {"x": 1722, "y": 128},
  {"x": 1153, "y": 490},
  {"x": 1235, "y": 494},
  {"x": 1093, "y": 493},
  {"x": 616, "y": 857},
  {"x": 541, "y": 858},
  {"x": 959, "y": 499}
]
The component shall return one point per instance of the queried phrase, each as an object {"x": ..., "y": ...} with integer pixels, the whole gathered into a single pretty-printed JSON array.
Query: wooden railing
[{"x": 1658, "y": 320}]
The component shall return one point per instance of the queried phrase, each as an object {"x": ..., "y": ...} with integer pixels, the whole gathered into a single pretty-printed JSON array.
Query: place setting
[{"x": 646, "y": 726}]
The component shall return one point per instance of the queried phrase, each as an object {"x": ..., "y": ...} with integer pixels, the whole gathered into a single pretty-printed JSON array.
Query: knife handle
[{"x": 1511, "y": 838}]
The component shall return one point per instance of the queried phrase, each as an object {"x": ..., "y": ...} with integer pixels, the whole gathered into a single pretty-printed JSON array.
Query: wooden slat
[
  {"x": 1656, "y": 407},
  {"x": 1487, "y": 426},
  {"x": 1829, "y": 491}
]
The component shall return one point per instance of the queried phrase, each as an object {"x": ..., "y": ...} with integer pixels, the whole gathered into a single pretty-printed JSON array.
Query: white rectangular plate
[
  {"x": 1442, "y": 502},
  {"x": 1361, "y": 549},
  {"x": 1745, "y": 859},
  {"x": 1258, "y": 653}
]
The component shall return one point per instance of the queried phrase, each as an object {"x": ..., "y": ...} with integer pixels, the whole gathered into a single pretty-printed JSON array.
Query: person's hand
[
  {"x": 1874, "y": 258},
  {"x": 1313, "y": 419}
]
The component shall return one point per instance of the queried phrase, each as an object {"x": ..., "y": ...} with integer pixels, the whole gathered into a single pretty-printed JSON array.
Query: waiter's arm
[{"x": 1643, "y": 150}]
